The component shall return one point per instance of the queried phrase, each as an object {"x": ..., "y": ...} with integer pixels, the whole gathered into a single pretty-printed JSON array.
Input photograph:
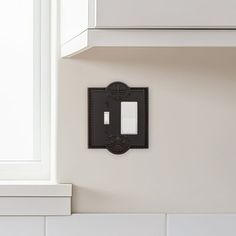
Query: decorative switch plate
[{"x": 118, "y": 117}]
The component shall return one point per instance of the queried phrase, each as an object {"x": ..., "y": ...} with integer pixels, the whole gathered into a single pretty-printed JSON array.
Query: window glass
[{"x": 17, "y": 80}]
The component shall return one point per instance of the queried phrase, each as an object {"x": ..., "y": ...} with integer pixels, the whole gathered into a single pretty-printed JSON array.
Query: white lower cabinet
[
  {"x": 107, "y": 225},
  {"x": 201, "y": 225},
  {"x": 22, "y": 226}
]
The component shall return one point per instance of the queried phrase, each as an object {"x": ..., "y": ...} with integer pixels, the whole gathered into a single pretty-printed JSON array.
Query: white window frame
[{"x": 39, "y": 168}]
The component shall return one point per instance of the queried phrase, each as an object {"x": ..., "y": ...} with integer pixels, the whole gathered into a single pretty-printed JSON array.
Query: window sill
[{"x": 48, "y": 199}]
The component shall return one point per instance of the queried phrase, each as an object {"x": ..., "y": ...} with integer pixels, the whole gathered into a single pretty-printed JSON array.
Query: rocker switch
[{"x": 106, "y": 117}]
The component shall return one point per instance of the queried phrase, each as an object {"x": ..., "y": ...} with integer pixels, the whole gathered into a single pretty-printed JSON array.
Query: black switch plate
[{"x": 109, "y": 99}]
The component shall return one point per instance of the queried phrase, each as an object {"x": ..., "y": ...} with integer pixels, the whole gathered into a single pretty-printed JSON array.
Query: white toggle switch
[
  {"x": 129, "y": 118},
  {"x": 106, "y": 117}
]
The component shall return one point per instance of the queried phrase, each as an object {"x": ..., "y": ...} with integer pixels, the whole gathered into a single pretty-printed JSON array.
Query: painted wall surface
[{"x": 190, "y": 165}]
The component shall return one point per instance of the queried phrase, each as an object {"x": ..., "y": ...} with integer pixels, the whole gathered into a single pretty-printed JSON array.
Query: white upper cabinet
[
  {"x": 85, "y": 23},
  {"x": 74, "y": 18},
  {"x": 165, "y": 13}
]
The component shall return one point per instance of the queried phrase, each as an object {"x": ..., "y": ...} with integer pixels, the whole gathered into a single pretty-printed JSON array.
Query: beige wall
[{"x": 191, "y": 163}]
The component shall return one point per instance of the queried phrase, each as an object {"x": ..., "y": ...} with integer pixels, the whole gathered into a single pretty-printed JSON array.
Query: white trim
[
  {"x": 54, "y": 85},
  {"x": 35, "y": 206},
  {"x": 148, "y": 38},
  {"x": 50, "y": 190},
  {"x": 45, "y": 87},
  {"x": 35, "y": 199},
  {"x": 37, "y": 78}
]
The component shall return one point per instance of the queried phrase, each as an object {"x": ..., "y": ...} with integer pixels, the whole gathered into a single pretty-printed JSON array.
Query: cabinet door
[
  {"x": 165, "y": 13},
  {"x": 74, "y": 18}
]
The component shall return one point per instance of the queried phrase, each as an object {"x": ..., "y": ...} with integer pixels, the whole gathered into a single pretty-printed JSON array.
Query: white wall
[{"x": 190, "y": 165}]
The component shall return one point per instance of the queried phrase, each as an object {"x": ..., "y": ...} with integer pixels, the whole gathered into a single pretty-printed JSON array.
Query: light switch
[
  {"x": 129, "y": 118},
  {"x": 106, "y": 117}
]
